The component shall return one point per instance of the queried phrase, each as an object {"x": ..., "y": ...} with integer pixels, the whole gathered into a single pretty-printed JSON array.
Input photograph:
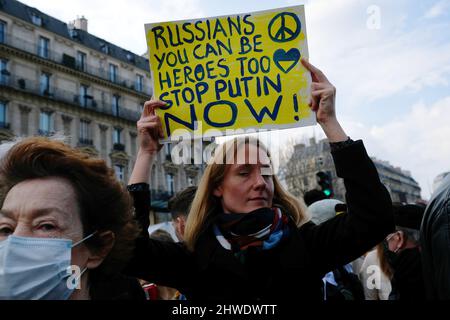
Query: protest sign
[{"x": 231, "y": 72}]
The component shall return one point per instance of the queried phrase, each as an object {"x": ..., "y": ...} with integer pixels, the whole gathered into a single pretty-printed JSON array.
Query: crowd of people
[{"x": 69, "y": 230}]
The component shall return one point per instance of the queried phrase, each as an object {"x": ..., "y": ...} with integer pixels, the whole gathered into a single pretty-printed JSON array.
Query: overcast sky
[{"x": 392, "y": 74}]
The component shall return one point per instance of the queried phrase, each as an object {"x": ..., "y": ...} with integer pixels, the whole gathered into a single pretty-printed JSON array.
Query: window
[
  {"x": 46, "y": 123},
  {"x": 84, "y": 95},
  {"x": 130, "y": 57},
  {"x": 3, "y": 105},
  {"x": 2, "y": 31},
  {"x": 72, "y": 31},
  {"x": 120, "y": 172},
  {"x": 85, "y": 132},
  {"x": 104, "y": 48},
  {"x": 115, "y": 105},
  {"x": 81, "y": 61},
  {"x": 84, "y": 129},
  {"x": 133, "y": 144},
  {"x": 43, "y": 48},
  {"x": 170, "y": 183},
  {"x": 112, "y": 72},
  {"x": 117, "y": 136},
  {"x": 139, "y": 83},
  {"x": 36, "y": 19},
  {"x": 45, "y": 84},
  {"x": 168, "y": 151},
  {"x": 4, "y": 73},
  {"x": 103, "y": 141}
]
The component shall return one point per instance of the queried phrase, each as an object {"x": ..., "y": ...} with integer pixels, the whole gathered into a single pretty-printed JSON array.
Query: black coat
[
  {"x": 116, "y": 287},
  {"x": 294, "y": 269},
  {"x": 435, "y": 244},
  {"x": 407, "y": 281}
]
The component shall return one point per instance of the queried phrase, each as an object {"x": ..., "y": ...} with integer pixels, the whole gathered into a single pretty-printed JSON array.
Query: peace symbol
[{"x": 278, "y": 29}]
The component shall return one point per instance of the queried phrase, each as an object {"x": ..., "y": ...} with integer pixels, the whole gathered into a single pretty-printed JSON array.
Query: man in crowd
[{"x": 179, "y": 206}]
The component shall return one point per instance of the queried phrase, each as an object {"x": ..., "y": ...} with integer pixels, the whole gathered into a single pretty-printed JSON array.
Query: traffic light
[{"x": 325, "y": 182}]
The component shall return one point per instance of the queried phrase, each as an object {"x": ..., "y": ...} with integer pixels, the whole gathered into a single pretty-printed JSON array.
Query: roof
[
  {"x": 380, "y": 165},
  {"x": 24, "y": 12}
]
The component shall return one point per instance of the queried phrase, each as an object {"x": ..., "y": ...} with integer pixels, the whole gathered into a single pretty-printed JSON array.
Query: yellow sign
[{"x": 232, "y": 72}]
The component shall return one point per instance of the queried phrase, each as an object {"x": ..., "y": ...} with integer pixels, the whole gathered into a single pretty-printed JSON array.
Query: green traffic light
[{"x": 327, "y": 192}]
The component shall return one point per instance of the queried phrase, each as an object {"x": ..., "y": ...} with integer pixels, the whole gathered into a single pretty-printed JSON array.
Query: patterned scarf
[{"x": 263, "y": 228}]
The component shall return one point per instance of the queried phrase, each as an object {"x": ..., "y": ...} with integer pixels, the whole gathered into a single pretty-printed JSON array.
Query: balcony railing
[
  {"x": 4, "y": 125},
  {"x": 70, "y": 61},
  {"x": 85, "y": 101},
  {"x": 85, "y": 142},
  {"x": 45, "y": 133},
  {"x": 119, "y": 147},
  {"x": 57, "y": 94}
]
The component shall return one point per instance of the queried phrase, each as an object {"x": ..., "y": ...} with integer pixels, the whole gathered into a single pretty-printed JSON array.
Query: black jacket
[
  {"x": 116, "y": 287},
  {"x": 407, "y": 280},
  {"x": 294, "y": 269},
  {"x": 435, "y": 243}
]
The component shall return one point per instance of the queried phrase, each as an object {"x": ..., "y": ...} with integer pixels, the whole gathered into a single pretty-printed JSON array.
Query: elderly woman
[
  {"x": 248, "y": 238},
  {"x": 66, "y": 226}
]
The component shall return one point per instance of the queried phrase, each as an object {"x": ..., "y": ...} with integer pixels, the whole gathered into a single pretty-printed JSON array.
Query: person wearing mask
[
  {"x": 402, "y": 252},
  {"x": 66, "y": 226}
]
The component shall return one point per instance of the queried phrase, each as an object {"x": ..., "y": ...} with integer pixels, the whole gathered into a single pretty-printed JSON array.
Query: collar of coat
[{"x": 209, "y": 253}]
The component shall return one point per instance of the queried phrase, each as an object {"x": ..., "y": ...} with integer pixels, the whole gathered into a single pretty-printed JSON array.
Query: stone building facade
[
  {"x": 56, "y": 77},
  {"x": 305, "y": 162}
]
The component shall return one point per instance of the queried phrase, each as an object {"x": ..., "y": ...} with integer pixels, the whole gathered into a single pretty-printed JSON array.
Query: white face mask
[{"x": 36, "y": 268}]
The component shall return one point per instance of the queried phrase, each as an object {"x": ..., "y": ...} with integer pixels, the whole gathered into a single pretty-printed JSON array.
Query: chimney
[{"x": 81, "y": 23}]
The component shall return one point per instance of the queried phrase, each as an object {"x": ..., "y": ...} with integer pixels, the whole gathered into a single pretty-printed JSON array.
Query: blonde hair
[{"x": 206, "y": 205}]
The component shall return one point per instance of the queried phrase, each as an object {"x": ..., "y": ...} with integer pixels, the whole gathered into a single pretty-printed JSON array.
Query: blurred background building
[
  {"x": 400, "y": 184},
  {"x": 302, "y": 172}
]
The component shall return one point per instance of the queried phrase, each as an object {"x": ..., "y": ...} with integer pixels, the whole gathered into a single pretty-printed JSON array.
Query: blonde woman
[{"x": 248, "y": 238}]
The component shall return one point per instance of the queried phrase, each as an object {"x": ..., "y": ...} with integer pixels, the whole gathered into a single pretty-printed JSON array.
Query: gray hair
[{"x": 410, "y": 234}]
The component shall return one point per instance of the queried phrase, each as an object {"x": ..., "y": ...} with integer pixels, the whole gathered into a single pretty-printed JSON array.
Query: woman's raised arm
[
  {"x": 323, "y": 95},
  {"x": 149, "y": 131}
]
